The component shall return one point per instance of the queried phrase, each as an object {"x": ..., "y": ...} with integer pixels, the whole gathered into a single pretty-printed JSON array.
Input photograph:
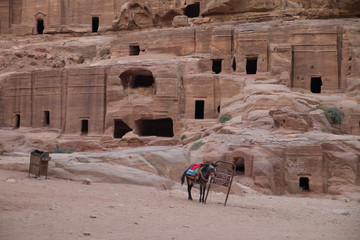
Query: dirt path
[{"x": 60, "y": 209}]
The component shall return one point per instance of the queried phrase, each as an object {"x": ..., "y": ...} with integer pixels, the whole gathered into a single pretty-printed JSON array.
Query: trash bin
[{"x": 39, "y": 163}]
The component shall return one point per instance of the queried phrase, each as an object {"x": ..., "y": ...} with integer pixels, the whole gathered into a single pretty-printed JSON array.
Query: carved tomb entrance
[
  {"x": 154, "y": 127},
  {"x": 120, "y": 128}
]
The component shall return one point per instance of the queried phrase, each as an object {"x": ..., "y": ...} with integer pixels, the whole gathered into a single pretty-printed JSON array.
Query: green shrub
[
  {"x": 104, "y": 51},
  {"x": 333, "y": 115},
  {"x": 224, "y": 118},
  {"x": 318, "y": 107},
  {"x": 33, "y": 63},
  {"x": 196, "y": 145},
  {"x": 299, "y": 190},
  {"x": 324, "y": 129},
  {"x": 59, "y": 150},
  {"x": 196, "y": 138},
  {"x": 183, "y": 137}
]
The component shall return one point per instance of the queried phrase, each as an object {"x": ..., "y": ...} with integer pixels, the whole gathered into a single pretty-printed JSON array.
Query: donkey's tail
[{"x": 183, "y": 177}]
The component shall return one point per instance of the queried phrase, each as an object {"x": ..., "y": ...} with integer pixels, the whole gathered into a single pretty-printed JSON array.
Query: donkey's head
[{"x": 209, "y": 169}]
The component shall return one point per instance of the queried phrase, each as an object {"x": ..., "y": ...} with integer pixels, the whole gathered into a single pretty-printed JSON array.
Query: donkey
[{"x": 202, "y": 177}]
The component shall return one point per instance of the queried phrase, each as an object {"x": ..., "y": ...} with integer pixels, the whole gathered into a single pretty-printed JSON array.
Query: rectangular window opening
[
  {"x": 217, "y": 66},
  {"x": 40, "y": 26},
  {"x": 46, "y": 118},
  {"x": 240, "y": 165},
  {"x": 199, "y": 109},
  {"x": 17, "y": 120},
  {"x": 95, "y": 24},
  {"x": 134, "y": 50},
  {"x": 304, "y": 183},
  {"x": 315, "y": 85},
  {"x": 251, "y": 65},
  {"x": 84, "y": 127}
]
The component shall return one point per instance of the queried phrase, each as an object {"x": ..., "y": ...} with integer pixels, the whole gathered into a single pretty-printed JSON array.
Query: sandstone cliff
[{"x": 215, "y": 82}]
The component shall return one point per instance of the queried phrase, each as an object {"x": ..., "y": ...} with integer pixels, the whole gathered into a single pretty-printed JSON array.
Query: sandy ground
[{"x": 59, "y": 209}]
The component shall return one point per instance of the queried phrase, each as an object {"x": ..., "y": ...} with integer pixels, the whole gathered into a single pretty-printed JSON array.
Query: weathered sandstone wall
[
  {"x": 97, "y": 96},
  {"x": 151, "y": 76},
  {"x": 22, "y": 16}
]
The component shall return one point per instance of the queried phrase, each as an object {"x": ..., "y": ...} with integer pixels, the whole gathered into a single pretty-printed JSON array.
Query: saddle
[{"x": 193, "y": 172}]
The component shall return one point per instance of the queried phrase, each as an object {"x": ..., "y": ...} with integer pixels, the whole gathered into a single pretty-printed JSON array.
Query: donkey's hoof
[{"x": 190, "y": 199}]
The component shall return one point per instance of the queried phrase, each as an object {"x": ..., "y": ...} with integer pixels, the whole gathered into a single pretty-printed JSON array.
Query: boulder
[
  {"x": 180, "y": 21},
  {"x": 291, "y": 120}
]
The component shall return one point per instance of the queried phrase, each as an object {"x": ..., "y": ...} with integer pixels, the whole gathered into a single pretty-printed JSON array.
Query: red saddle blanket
[
  {"x": 195, "y": 166},
  {"x": 193, "y": 169}
]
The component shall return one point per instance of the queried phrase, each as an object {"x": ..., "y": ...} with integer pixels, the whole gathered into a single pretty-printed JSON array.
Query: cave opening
[
  {"x": 84, "y": 127},
  {"x": 239, "y": 165},
  {"x": 315, "y": 85},
  {"x": 199, "y": 109},
  {"x": 304, "y": 183},
  {"x": 120, "y": 128},
  {"x": 155, "y": 127},
  {"x": 40, "y": 26},
  {"x": 192, "y": 10},
  {"x": 46, "y": 118},
  {"x": 138, "y": 78},
  {"x": 95, "y": 24},
  {"x": 144, "y": 81},
  {"x": 216, "y": 65},
  {"x": 251, "y": 65},
  {"x": 134, "y": 50}
]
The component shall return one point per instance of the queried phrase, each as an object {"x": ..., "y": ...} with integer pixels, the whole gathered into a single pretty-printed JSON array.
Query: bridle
[{"x": 206, "y": 179}]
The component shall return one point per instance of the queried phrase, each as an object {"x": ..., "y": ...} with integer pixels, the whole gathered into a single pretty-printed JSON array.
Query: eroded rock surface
[{"x": 249, "y": 82}]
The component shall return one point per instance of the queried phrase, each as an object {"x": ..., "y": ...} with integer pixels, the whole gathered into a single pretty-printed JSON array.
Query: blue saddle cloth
[
  {"x": 193, "y": 169},
  {"x": 192, "y": 172}
]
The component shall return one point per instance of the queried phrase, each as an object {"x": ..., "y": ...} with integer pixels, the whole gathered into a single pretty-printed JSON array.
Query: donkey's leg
[
  {"x": 202, "y": 193},
  {"x": 190, "y": 185}
]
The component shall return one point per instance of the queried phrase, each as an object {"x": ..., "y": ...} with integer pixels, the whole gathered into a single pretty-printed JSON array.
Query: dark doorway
[
  {"x": 17, "y": 119},
  {"x": 251, "y": 65},
  {"x": 120, "y": 129},
  {"x": 84, "y": 127},
  {"x": 304, "y": 183},
  {"x": 46, "y": 118},
  {"x": 234, "y": 65},
  {"x": 95, "y": 24},
  {"x": 216, "y": 65},
  {"x": 159, "y": 127},
  {"x": 134, "y": 50},
  {"x": 240, "y": 165},
  {"x": 315, "y": 85},
  {"x": 142, "y": 81},
  {"x": 40, "y": 26},
  {"x": 218, "y": 109},
  {"x": 199, "y": 109},
  {"x": 192, "y": 10}
]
